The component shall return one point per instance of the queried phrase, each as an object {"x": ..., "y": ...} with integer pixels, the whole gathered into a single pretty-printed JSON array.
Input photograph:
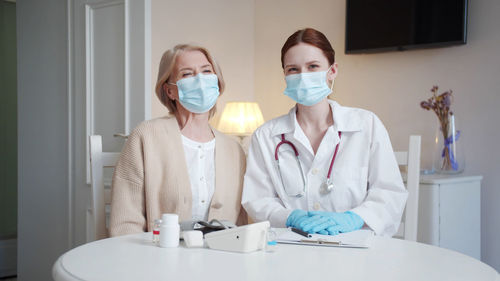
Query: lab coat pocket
[{"x": 349, "y": 188}]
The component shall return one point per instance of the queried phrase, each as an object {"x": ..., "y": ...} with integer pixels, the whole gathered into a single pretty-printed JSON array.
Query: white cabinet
[{"x": 450, "y": 212}]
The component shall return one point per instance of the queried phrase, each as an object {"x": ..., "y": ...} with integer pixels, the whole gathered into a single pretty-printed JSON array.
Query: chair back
[
  {"x": 411, "y": 159},
  {"x": 100, "y": 196}
]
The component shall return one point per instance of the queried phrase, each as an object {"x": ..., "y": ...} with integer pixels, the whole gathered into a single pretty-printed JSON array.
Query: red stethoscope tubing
[
  {"x": 284, "y": 141},
  {"x": 334, "y": 156}
]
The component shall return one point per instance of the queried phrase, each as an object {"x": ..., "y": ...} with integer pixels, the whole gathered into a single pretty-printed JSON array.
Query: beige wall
[
  {"x": 224, "y": 27},
  {"x": 275, "y": 21},
  {"x": 393, "y": 84},
  {"x": 248, "y": 39}
]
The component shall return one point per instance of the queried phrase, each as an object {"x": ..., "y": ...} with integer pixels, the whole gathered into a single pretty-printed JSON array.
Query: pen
[{"x": 301, "y": 232}]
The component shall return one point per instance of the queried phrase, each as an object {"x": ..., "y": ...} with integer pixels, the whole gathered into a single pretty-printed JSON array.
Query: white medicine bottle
[{"x": 169, "y": 231}]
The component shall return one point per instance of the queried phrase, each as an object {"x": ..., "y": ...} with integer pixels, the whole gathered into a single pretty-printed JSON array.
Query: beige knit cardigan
[{"x": 151, "y": 178}]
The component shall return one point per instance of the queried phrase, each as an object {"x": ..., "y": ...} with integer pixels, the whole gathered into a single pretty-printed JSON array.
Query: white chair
[
  {"x": 411, "y": 159},
  {"x": 100, "y": 197}
]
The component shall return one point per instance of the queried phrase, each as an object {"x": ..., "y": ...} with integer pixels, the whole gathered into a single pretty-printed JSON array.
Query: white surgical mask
[
  {"x": 199, "y": 93},
  {"x": 307, "y": 88}
]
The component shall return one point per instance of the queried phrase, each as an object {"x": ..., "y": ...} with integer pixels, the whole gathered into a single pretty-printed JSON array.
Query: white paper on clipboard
[{"x": 355, "y": 239}]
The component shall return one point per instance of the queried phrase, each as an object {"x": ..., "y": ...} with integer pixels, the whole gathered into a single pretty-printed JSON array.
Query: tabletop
[{"x": 134, "y": 257}]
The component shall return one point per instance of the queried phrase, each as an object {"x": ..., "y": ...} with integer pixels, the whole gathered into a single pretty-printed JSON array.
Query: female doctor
[{"x": 323, "y": 167}]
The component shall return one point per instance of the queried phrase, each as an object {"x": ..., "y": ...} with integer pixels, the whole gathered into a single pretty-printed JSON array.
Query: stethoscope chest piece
[{"x": 326, "y": 187}]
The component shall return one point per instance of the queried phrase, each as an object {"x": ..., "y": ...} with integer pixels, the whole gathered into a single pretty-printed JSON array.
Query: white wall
[
  {"x": 224, "y": 27},
  {"x": 247, "y": 37},
  {"x": 393, "y": 84}
]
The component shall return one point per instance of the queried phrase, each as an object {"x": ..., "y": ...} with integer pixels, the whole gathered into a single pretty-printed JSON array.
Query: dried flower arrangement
[{"x": 440, "y": 104}]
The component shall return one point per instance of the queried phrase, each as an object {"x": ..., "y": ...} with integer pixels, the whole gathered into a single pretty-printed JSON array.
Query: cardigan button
[{"x": 217, "y": 205}]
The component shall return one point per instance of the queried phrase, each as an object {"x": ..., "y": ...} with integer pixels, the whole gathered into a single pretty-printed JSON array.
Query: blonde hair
[{"x": 166, "y": 68}]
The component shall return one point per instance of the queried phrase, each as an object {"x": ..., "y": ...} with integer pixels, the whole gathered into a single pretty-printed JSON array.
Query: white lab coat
[{"x": 366, "y": 177}]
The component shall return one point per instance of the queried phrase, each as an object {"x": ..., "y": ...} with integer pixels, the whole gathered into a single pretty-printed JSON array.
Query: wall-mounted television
[{"x": 386, "y": 25}]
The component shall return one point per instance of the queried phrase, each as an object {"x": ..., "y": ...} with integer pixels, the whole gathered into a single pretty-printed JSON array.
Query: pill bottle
[
  {"x": 169, "y": 231},
  {"x": 156, "y": 231}
]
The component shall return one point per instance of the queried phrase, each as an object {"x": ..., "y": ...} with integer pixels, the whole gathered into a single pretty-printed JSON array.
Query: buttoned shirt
[
  {"x": 365, "y": 174},
  {"x": 201, "y": 169}
]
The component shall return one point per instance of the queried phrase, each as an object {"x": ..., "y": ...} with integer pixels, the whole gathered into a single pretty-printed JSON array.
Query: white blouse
[{"x": 200, "y": 159}]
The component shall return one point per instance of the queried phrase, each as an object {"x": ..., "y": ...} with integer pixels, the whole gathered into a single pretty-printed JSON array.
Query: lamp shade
[{"x": 240, "y": 118}]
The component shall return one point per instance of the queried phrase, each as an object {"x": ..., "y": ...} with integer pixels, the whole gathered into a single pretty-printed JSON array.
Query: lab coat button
[
  {"x": 314, "y": 171},
  {"x": 203, "y": 201},
  {"x": 317, "y": 206},
  {"x": 201, "y": 156}
]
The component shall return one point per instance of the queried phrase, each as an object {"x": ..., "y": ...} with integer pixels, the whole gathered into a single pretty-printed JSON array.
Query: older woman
[{"x": 178, "y": 163}]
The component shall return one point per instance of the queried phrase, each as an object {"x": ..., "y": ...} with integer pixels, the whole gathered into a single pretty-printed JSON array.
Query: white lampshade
[{"x": 240, "y": 118}]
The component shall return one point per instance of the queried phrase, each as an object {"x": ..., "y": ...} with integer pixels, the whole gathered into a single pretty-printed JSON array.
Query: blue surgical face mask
[
  {"x": 199, "y": 93},
  {"x": 307, "y": 88}
]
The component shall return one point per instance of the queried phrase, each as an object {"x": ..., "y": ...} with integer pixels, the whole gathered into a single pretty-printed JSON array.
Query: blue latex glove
[
  {"x": 316, "y": 223},
  {"x": 324, "y": 232},
  {"x": 344, "y": 222},
  {"x": 296, "y": 217}
]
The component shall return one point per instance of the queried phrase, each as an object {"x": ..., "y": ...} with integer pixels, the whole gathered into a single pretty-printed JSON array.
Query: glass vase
[{"x": 448, "y": 153}]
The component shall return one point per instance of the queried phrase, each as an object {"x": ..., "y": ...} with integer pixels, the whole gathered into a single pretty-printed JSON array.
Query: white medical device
[
  {"x": 193, "y": 238},
  {"x": 243, "y": 239}
]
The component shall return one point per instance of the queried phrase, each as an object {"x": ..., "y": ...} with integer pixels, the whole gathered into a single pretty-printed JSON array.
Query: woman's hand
[
  {"x": 331, "y": 222},
  {"x": 326, "y": 223},
  {"x": 296, "y": 217}
]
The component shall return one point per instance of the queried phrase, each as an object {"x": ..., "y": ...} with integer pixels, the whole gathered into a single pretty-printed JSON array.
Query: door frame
[{"x": 137, "y": 94}]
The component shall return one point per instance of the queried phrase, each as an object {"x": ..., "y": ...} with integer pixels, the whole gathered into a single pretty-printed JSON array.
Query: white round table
[{"x": 134, "y": 257}]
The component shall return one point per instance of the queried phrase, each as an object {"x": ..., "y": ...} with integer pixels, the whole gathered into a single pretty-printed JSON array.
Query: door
[
  {"x": 110, "y": 81},
  {"x": 8, "y": 142}
]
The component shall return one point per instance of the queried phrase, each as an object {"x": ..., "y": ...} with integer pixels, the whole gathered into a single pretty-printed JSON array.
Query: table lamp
[{"x": 240, "y": 119}]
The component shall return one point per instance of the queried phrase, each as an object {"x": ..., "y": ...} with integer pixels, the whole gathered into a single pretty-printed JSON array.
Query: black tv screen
[{"x": 384, "y": 25}]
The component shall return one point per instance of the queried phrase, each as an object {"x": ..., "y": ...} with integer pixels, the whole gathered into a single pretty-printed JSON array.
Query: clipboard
[{"x": 356, "y": 239}]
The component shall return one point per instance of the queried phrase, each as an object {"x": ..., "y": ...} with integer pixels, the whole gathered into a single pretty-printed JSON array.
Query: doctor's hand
[
  {"x": 340, "y": 222},
  {"x": 296, "y": 217},
  {"x": 317, "y": 223}
]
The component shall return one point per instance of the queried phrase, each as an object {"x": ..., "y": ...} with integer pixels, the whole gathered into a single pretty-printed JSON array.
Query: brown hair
[
  {"x": 166, "y": 68},
  {"x": 309, "y": 36}
]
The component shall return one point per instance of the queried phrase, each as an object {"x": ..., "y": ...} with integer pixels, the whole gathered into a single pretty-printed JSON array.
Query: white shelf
[{"x": 448, "y": 178}]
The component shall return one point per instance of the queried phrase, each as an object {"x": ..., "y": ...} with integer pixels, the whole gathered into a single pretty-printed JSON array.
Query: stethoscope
[{"x": 325, "y": 188}]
